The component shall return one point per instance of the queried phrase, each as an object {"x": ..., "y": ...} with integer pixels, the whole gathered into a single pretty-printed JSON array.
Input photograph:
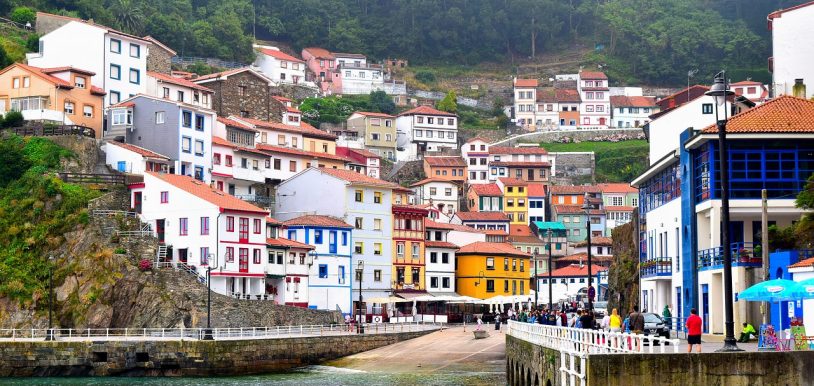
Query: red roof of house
[
  {"x": 632, "y": 101},
  {"x": 431, "y": 179},
  {"x": 97, "y": 90},
  {"x": 317, "y": 220},
  {"x": 437, "y": 225},
  {"x": 597, "y": 241},
  {"x": 521, "y": 164},
  {"x": 517, "y": 150},
  {"x": 785, "y": 114},
  {"x": 487, "y": 248},
  {"x": 573, "y": 189},
  {"x": 318, "y": 52},
  {"x": 427, "y": 110},
  {"x": 40, "y": 73},
  {"x": 482, "y": 216},
  {"x": 124, "y": 104},
  {"x": 486, "y": 189},
  {"x": 568, "y": 209},
  {"x": 536, "y": 190},
  {"x": 617, "y": 208},
  {"x": 273, "y": 221},
  {"x": 208, "y": 193},
  {"x": 445, "y": 161},
  {"x": 780, "y": 12},
  {"x": 228, "y": 73},
  {"x": 139, "y": 150},
  {"x": 746, "y": 83},
  {"x": 286, "y": 243},
  {"x": 281, "y": 98},
  {"x": 361, "y": 179},
  {"x": 567, "y": 95},
  {"x": 233, "y": 123},
  {"x": 375, "y": 115},
  {"x": 803, "y": 263},
  {"x": 236, "y": 147},
  {"x": 360, "y": 155},
  {"x": 525, "y": 83},
  {"x": 616, "y": 188},
  {"x": 592, "y": 75},
  {"x": 177, "y": 81},
  {"x": 680, "y": 98},
  {"x": 439, "y": 244},
  {"x": 304, "y": 128},
  {"x": 280, "y": 55},
  {"x": 52, "y": 70},
  {"x": 477, "y": 138},
  {"x": 299, "y": 152},
  {"x": 512, "y": 181},
  {"x": 522, "y": 234},
  {"x": 575, "y": 270}
]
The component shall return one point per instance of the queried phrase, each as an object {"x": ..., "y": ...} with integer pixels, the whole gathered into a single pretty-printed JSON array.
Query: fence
[
  {"x": 92, "y": 178},
  {"x": 273, "y": 332},
  {"x": 188, "y": 60},
  {"x": 577, "y": 340},
  {"x": 53, "y": 130}
]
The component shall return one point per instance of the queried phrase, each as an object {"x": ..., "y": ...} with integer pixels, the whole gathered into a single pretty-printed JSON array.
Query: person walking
[
  {"x": 497, "y": 321},
  {"x": 694, "y": 323},
  {"x": 668, "y": 316},
  {"x": 587, "y": 319},
  {"x": 615, "y": 322},
  {"x": 480, "y": 324},
  {"x": 636, "y": 321}
]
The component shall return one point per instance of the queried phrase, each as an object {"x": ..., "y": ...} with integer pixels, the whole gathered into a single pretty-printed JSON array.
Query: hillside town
[{"x": 237, "y": 187}]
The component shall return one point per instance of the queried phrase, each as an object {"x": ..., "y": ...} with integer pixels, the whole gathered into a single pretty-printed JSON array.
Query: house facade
[
  {"x": 178, "y": 89},
  {"x": 378, "y": 131},
  {"x": 321, "y": 64},
  {"x": 439, "y": 259},
  {"x": 240, "y": 92},
  {"x": 595, "y": 95},
  {"x": 632, "y": 111},
  {"x": 525, "y": 103},
  {"x": 409, "y": 268},
  {"x": 127, "y": 158},
  {"x": 790, "y": 63},
  {"x": 482, "y": 220},
  {"x": 440, "y": 193},
  {"x": 487, "y": 269},
  {"x": 570, "y": 283},
  {"x": 279, "y": 66},
  {"x": 515, "y": 199},
  {"x": 485, "y": 198},
  {"x": 447, "y": 168},
  {"x": 475, "y": 153},
  {"x": 619, "y": 201},
  {"x": 424, "y": 129},
  {"x": 527, "y": 163}
]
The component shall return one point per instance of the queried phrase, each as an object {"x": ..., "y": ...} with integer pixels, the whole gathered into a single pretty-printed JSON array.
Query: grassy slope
[
  {"x": 615, "y": 161},
  {"x": 13, "y": 41}
]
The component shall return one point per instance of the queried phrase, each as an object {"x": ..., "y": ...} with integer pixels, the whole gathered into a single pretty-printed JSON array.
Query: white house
[
  {"x": 288, "y": 269},
  {"x": 424, "y": 129},
  {"x": 476, "y": 154},
  {"x": 537, "y": 202},
  {"x": 118, "y": 59},
  {"x": 525, "y": 103},
  {"x": 203, "y": 227},
  {"x": 178, "y": 89},
  {"x": 595, "y": 107},
  {"x": 439, "y": 258},
  {"x": 279, "y": 66},
  {"x": 792, "y": 52},
  {"x": 632, "y": 111},
  {"x": 128, "y": 158},
  {"x": 570, "y": 283},
  {"x": 440, "y": 193},
  {"x": 754, "y": 91}
]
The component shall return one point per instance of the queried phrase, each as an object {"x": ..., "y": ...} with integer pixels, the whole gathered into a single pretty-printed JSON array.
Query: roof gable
[
  {"x": 207, "y": 193},
  {"x": 785, "y": 114}
]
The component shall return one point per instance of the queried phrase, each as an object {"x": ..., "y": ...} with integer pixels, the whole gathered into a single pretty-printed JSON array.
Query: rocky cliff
[{"x": 623, "y": 275}]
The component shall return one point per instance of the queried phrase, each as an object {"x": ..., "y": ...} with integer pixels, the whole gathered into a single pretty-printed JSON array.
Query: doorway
[
  {"x": 182, "y": 255},
  {"x": 705, "y": 306},
  {"x": 159, "y": 229},
  {"x": 137, "y": 202}
]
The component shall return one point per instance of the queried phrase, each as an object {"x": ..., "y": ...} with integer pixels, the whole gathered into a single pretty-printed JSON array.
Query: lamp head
[
  {"x": 361, "y": 264},
  {"x": 720, "y": 89}
]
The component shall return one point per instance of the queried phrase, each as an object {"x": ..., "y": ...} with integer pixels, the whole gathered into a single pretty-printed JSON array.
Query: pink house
[{"x": 321, "y": 63}]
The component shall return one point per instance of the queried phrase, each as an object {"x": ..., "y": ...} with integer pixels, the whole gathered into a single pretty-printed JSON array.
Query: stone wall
[
  {"x": 574, "y": 168},
  {"x": 296, "y": 92},
  {"x": 47, "y": 22},
  {"x": 531, "y": 365},
  {"x": 255, "y": 100},
  {"x": 182, "y": 358},
  {"x": 159, "y": 59},
  {"x": 575, "y": 135}
]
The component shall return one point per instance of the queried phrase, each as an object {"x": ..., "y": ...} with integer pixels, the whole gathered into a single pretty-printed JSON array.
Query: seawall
[{"x": 182, "y": 358}]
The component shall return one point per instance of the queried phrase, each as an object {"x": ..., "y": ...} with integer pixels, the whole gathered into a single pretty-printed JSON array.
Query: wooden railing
[
  {"x": 40, "y": 130},
  {"x": 92, "y": 178}
]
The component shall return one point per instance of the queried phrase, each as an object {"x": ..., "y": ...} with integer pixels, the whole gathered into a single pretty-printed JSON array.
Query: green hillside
[{"x": 615, "y": 161}]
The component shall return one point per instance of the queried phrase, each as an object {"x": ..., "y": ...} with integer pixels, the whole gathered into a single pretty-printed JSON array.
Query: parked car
[
  {"x": 601, "y": 308},
  {"x": 654, "y": 325}
]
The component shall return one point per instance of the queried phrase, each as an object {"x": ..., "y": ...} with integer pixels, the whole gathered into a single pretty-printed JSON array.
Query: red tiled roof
[
  {"x": 567, "y": 95},
  {"x": 439, "y": 244},
  {"x": 177, "y": 81},
  {"x": 487, "y": 248},
  {"x": 318, "y": 52},
  {"x": 38, "y": 72},
  {"x": 52, "y": 70},
  {"x": 517, "y": 150},
  {"x": 293, "y": 110},
  {"x": 236, "y": 147},
  {"x": 780, "y": 12},
  {"x": 486, "y": 189},
  {"x": 482, "y": 216},
  {"x": 512, "y": 181},
  {"x": 207, "y": 193},
  {"x": 525, "y": 83},
  {"x": 281, "y": 98},
  {"x": 317, "y": 220},
  {"x": 437, "y": 225},
  {"x": 445, "y": 161},
  {"x": 785, "y": 114},
  {"x": 536, "y": 190},
  {"x": 124, "y": 104},
  {"x": 520, "y": 230},
  {"x": 365, "y": 153},
  {"x": 573, "y": 189},
  {"x": 616, "y": 188},
  {"x": 139, "y": 150},
  {"x": 494, "y": 232},
  {"x": 233, "y": 123},
  {"x": 592, "y": 75},
  {"x": 299, "y": 152},
  {"x": 568, "y": 209},
  {"x": 617, "y": 208},
  {"x": 746, "y": 83},
  {"x": 431, "y": 179},
  {"x": 375, "y": 115},
  {"x": 286, "y": 243},
  {"x": 632, "y": 101},
  {"x": 97, "y": 90},
  {"x": 521, "y": 164},
  {"x": 228, "y": 73},
  {"x": 575, "y": 270},
  {"x": 361, "y": 179},
  {"x": 597, "y": 241},
  {"x": 280, "y": 55},
  {"x": 349, "y": 55},
  {"x": 273, "y": 221},
  {"x": 547, "y": 95},
  {"x": 803, "y": 263},
  {"x": 304, "y": 128},
  {"x": 427, "y": 110},
  {"x": 680, "y": 98}
]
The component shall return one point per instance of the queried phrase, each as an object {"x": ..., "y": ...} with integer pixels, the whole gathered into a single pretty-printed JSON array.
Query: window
[
  {"x": 199, "y": 122},
  {"x": 377, "y": 275},
  {"x": 505, "y": 264},
  {"x": 429, "y": 133},
  {"x": 186, "y": 144},
  {"x": 87, "y": 111},
  {"x": 388, "y": 137},
  {"x": 505, "y": 286},
  {"x": 204, "y": 226},
  {"x": 204, "y": 256},
  {"x": 199, "y": 147},
  {"x": 433, "y": 191},
  {"x": 159, "y": 117},
  {"x": 230, "y": 224},
  {"x": 165, "y": 197},
  {"x": 135, "y": 76},
  {"x": 241, "y": 90},
  {"x": 256, "y": 257},
  {"x": 433, "y": 282},
  {"x": 69, "y": 108},
  {"x": 415, "y": 250},
  {"x": 292, "y": 166},
  {"x": 589, "y": 108},
  {"x": 341, "y": 275},
  {"x": 257, "y": 226},
  {"x": 400, "y": 249},
  {"x": 419, "y": 133},
  {"x": 182, "y": 226},
  {"x": 186, "y": 118},
  {"x": 429, "y": 120},
  {"x": 228, "y": 160},
  {"x": 448, "y": 192},
  {"x": 135, "y": 50},
  {"x": 116, "y": 46},
  {"x": 358, "y": 247},
  {"x": 277, "y": 163},
  {"x": 323, "y": 271},
  {"x": 358, "y": 223},
  {"x": 115, "y": 71},
  {"x": 377, "y": 197},
  {"x": 433, "y": 257},
  {"x": 490, "y": 263},
  {"x": 377, "y": 249},
  {"x": 490, "y": 285},
  {"x": 359, "y": 195},
  {"x": 377, "y": 224},
  {"x": 600, "y": 108},
  {"x": 706, "y": 108}
]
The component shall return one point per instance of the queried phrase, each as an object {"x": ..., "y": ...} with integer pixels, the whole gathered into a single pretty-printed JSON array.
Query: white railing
[
  {"x": 152, "y": 334},
  {"x": 577, "y": 340},
  {"x": 104, "y": 212}
]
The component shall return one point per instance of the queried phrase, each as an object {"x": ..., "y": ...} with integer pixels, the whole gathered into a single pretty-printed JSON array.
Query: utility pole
[
  {"x": 550, "y": 294},
  {"x": 764, "y": 248}
]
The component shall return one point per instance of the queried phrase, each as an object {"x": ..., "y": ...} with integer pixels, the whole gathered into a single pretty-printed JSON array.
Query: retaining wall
[
  {"x": 182, "y": 358},
  {"x": 528, "y": 364}
]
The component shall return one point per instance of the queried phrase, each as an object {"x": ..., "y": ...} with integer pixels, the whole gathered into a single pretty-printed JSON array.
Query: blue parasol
[
  {"x": 807, "y": 288},
  {"x": 777, "y": 290}
]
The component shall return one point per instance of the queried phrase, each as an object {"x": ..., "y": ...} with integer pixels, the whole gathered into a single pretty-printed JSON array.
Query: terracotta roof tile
[
  {"x": 525, "y": 83},
  {"x": 304, "y": 128},
  {"x": 803, "y": 263},
  {"x": 517, "y": 150},
  {"x": 374, "y": 115},
  {"x": 548, "y": 95},
  {"x": 38, "y": 72},
  {"x": 233, "y": 123},
  {"x": 482, "y": 216},
  {"x": 431, "y": 179},
  {"x": 280, "y": 55},
  {"x": 487, "y": 248},
  {"x": 273, "y": 221},
  {"x": 536, "y": 190},
  {"x": 785, "y": 114},
  {"x": 177, "y": 81},
  {"x": 139, "y": 150},
  {"x": 567, "y": 95},
  {"x": 207, "y": 193},
  {"x": 361, "y": 179},
  {"x": 317, "y": 220},
  {"x": 235, "y": 147},
  {"x": 575, "y": 270},
  {"x": 568, "y": 209},
  {"x": 508, "y": 181},
  {"x": 616, "y": 187},
  {"x": 782, "y": 11},
  {"x": 437, "y": 225},
  {"x": 427, "y": 110},
  {"x": 573, "y": 189},
  {"x": 439, "y": 244},
  {"x": 281, "y": 98},
  {"x": 286, "y": 243},
  {"x": 97, "y": 90},
  {"x": 495, "y": 232},
  {"x": 597, "y": 241},
  {"x": 592, "y": 75},
  {"x": 521, "y": 164},
  {"x": 299, "y": 152},
  {"x": 632, "y": 101},
  {"x": 679, "y": 98},
  {"x": 52, "y": 70},
  {"x": 486, "y": 189},
  {"x": 318, "y": 52},
  {"x": 445, "y": 161}
]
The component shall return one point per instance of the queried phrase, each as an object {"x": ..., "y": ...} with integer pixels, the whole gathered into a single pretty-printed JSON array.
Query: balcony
[
  {"x": 743, "y": 255},
  {"x": 256, "y": 199},
  {"x": 659, "y": 267}
]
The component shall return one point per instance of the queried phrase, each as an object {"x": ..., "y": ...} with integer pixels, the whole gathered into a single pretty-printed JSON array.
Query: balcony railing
[
  {"x": 743, "y": 255},
  {"x": 263, "y": 201},
  {"x": 659, "y": 266}
]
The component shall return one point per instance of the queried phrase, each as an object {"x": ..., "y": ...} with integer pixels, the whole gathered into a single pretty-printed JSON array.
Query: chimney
[{"x": 799, "y": 89}]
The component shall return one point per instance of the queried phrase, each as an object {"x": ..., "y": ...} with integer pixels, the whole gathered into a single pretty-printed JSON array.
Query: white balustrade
[{"x": 586, "y": 341}]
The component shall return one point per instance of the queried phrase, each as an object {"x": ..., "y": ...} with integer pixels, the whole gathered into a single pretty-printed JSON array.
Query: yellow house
[
  {"x": 487, "y": 269},
  {"x": 63, "y": 95},
  {"x": 515, "y": 200},
  {"x": 408, "y": 245}
]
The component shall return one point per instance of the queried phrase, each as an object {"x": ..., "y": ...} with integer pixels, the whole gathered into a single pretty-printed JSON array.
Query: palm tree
[{"x": 129, "y": 15}]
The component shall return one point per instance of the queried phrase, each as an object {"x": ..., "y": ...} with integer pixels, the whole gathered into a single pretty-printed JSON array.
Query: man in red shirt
[{"x": 694, "y": 331}]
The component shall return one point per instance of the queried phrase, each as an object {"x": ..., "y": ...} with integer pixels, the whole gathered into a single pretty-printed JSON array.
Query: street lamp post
[
  {"x": 360, "y": 269},
  {"x": 550, "y": 294},
  {"x": 587, "y": 207},
  {"x": 536, "y": 280},
  {"x": 208, "y": 331},
  {"x": 720, "y": 92},
  {"x": 49, "y": 335}
]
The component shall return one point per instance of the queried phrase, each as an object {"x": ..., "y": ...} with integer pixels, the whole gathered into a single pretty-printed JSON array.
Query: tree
[
  {"x": 449, "y": 103},
  {"x": 381, "y": 102},
  {"x": 13, "y": 162},
  {"x": 23, "y": 15},
  {"x": 13, "y": 119},
  {"x": 5, "y": 60},
  {"x": 129, "y": 14}
]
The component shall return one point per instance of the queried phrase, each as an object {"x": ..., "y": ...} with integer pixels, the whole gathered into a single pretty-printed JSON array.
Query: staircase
[{"x": 161, "y": 254}]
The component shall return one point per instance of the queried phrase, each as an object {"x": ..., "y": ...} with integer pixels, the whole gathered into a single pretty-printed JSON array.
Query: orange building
[
  {"x": 572, "y": 195},
  {"x": 445, "y": 168},
  {"x": 63, "y": 95}
]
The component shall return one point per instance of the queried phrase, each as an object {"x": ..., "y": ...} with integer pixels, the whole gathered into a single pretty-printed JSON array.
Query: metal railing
[
  {"x": 586, "y": 341},
  {"x": 659, "y": 266},
  {"x": 113, "y": 213},
  {"x": 92, "y": 178},
  {"x": 743, "y": 255},
  {"x": 152, "y": 334},
  {"x": 53, "y": 130}
]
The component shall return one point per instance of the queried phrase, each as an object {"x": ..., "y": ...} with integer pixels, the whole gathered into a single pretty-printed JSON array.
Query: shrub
[
  {"x": 23, "y": 15},
  {"x": 425, "y": 77},
  {"x": 145, "y": 265},
  {"x": 13, "y": 119},
  {"x": 120, "y": 251}
]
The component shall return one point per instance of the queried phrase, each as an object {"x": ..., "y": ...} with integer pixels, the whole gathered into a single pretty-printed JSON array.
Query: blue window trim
[
  {"x": 138, "y": 50},
  {"x": 195, "y": 170},
  {"x": 203, "y": 149},
  {"x": 292, "y": 234},
  {"x": 138, "y": 76},
  {"x": 191, "y": 118},
  {"x": 203, "y": 122},
  {"x": 344, "y": 239},
  {"x": 119, "y": 51},
  {"x": 323, "y": 271},
  {"x": 118, "y": 67},
  {"x": 118, "y": 97},
  {"x": 317, "y": 236},
  {"x": 190, "y": 144}
]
